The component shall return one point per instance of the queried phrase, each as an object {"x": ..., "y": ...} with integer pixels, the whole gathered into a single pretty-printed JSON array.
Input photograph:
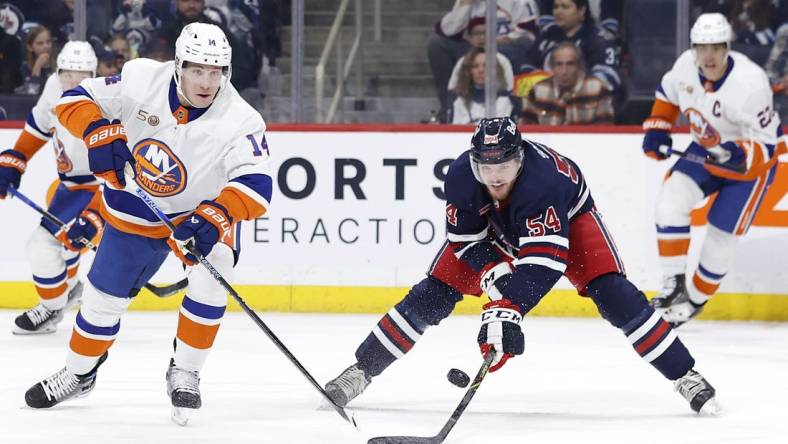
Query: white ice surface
[{"x": 578, "y": 382}]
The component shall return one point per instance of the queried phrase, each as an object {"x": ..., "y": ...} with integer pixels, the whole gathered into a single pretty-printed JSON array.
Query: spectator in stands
[
  {"x": 777, "y": 70},
  {"x": 120, "y": 46},
  {"x": 516, "y": 21},
  {"x": 39, "y": 60},
  {"x": 10, "y": 62},
  {"x": 467, "y": 97},
  {"x": 137, "y": 21},
  {"x": 610, "y": 16},
  {"x": 58, "y": 16},
  {"x": 11, "y": 20},
  {"x": 569, "y": 97},
  {"x": 158, "y": 49},
  {"x": 475, "y": 37},
  {"x": 190, "y": 11},
  {"x": 109, "y": 62},
  {"x": 573, "y": 23}
]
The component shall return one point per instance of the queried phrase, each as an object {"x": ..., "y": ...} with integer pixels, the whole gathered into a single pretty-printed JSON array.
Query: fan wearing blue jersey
[{"x": 519, "y": 216}]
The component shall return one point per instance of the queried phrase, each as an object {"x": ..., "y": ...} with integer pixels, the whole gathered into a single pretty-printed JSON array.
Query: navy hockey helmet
[{"x": 496, "y": 151}]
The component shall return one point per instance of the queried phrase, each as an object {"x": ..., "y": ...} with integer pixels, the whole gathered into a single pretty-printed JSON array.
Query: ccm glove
[
  {"x": 500, "y": 332},
  {"x": 107, "y": 151},
  {"x": 12, "y": 165},
  {"x": 657, "y": 142},
  {"x": 86, "y": 227},
  {"x": 209, "y": 224}
]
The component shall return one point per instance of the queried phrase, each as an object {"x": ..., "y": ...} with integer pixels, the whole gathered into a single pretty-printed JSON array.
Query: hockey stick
[
  {"x": 703, "y": 160},
  {"x": 219, "y": 278},
  {"x": 438, "y": 439},
  {"x": 162, "y": 292}
]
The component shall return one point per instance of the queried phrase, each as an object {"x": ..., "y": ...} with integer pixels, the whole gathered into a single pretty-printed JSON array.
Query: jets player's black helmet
[{"x": 496, "y": 151}]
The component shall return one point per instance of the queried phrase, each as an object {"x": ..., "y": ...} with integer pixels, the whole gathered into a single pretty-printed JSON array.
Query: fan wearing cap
[
  {"x": 75, "y": 200},
  {"x": 199, "y": 151},
  {"x": 519, "y": 215},
  {"x": 727, "y": 100}
]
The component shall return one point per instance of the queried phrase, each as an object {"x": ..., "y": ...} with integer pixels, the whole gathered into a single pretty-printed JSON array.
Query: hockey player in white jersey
[
  {"x": 75, "y": 199},
  {"x": 200, "y": 152},
  {"x": 728, "y": 102}
]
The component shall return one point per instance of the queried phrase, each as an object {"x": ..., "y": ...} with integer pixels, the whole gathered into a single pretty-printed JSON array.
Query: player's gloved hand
[
  {"x": 501, "y": 333},
  {"x": 12, "y": 165},
  {"x": 209, "y": 224},
  {"x": 657, "y": 142},
  {"x": 107, "y": 151},
  {"x": 87, "y": 226},
  {"x": 733, "y": 155},
  {"x": 494, "y": 280}
]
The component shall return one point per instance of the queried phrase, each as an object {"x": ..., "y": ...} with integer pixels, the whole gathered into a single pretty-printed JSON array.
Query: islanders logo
[
  {"x": 64, "y": 164},
  {"x": 158, "y": 169},
  {"x": 703, "y": 131}
]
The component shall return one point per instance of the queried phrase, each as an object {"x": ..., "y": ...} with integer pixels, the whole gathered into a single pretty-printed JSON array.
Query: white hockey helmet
[
  {"x": 711, "y": 28},
  {"x": 206, "y": 44},
  {"x": 77, "y": 56}
]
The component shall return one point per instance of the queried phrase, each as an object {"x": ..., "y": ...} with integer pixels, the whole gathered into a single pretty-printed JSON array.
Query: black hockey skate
[
  {"x": 183, "y": 388},
  {"x": 682, "y": 310},
  {"x": 62, "y": 386},
  {"x": 700, "y": 394},
  {"x": 41, "y": 320},
  {"x": 673, "y": 287},
  {"x": 349, "y": 384}
]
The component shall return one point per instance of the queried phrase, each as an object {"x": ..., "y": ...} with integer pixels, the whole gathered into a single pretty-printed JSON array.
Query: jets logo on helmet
[{"x": 205, "y": 44}]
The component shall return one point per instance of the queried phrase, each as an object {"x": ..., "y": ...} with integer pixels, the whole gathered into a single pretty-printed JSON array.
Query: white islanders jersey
[
  {"x": 183, "y": 155},
  {"x": 736, "y": 107},
  {"x": 70, "y": 152}
]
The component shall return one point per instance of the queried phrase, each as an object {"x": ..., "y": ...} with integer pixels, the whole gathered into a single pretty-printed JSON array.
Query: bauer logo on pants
[{"x": 158, "y": 170}]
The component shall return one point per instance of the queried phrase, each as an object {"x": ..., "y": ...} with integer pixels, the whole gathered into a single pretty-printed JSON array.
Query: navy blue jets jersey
[{"x": 532, "y": 224}]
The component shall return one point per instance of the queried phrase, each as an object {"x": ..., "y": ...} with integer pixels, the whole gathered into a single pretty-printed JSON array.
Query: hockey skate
[
  {"x": 673, "y": 287},
  {"x": 682, "y": 310},
  {"x": 41, "y": 320},
  {"x": 183, "y": 388},
  {"x": 349, "y": 384},
  {"x": 700, "y": 394},
  {"x": 62, "y": 386}
]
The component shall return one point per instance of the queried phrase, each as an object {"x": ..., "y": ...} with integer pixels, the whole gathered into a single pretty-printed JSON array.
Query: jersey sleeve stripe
[
  {"x": 32, "y": 127},
  {"x": 549, "y": 239},
  {"x": 550, "y": 251},
  {"x": 78, "y": 92},
  {"x": 453, "y": 237},
  {"x": 583, "y": 199},
  {"x": 243, "y": 202},
  {"x": 543, "y": 261}
]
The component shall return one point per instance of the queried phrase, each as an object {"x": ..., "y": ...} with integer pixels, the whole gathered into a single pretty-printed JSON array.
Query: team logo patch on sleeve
[{"x": 158, "y": 169}]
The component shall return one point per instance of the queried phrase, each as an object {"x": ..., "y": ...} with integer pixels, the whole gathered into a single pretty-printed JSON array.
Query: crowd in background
[
  {"x": 33, "y": 31},
  {"x": 559, "y": 61}
]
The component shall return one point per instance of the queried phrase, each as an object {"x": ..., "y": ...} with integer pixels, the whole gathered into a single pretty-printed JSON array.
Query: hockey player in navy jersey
[{"x": 519, "y": 216}]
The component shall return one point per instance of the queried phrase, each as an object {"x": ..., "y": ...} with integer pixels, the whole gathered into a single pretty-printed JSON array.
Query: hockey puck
[{"x": 458, "y": 377}]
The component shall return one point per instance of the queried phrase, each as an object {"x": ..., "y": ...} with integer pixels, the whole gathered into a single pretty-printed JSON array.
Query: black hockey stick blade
[
  {"x": 455, "y": 416},
  {"x": 704, "y": 160},
  {"x": 168, "y": 290}
]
